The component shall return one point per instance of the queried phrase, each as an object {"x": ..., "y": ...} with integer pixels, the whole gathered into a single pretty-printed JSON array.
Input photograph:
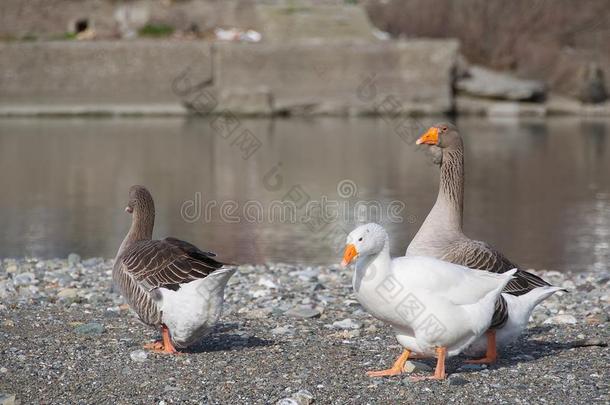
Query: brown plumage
[
  {"x": 441, "y": 234},
  {"x": 144, "y": 265},
  {"x": 166, "y": 263}
]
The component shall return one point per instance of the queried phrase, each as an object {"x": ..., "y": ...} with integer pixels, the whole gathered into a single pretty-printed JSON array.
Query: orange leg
[
  {"x": 396, "y": 368},
  {"x": 439, "y": 371},
  {"x": 165, "y": 346},
  {"x": 491, "y": 355},
  {"x": 155, "y": 346}
]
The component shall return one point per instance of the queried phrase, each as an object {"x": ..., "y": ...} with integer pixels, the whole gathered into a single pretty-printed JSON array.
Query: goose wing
[
  {"x": 480, "y": 255},
  {"x": 453, "y": 282},
  {"x": 167, "y": 263}
]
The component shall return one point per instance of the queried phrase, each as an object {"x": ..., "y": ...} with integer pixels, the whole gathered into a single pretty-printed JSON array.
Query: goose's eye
[
  {"x": 443, "y": 129},
  {"x": 360, "y": 240}
]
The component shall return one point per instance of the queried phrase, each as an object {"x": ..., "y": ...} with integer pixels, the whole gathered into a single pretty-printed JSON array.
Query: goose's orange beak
[
  {"x": 429, "y": 138},
  {"x": 349, "y": 254}
]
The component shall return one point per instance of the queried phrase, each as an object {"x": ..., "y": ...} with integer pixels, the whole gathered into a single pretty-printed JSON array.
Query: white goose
[{"x": 436, "y": 308}]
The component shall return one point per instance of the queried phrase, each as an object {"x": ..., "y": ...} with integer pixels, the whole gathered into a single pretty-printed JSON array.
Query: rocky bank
[{"x": 291, "y": 334}]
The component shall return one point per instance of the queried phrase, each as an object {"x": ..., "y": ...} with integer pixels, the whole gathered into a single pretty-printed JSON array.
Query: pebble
[
  {"x": 282, "y": 330},
  {"x": 91, "y": 328},
  {"x": 11, "y": 268},
  {"x": 472, "y": 367},
  {"x": 303, "y": 312},
  {"x": 255, "y": 314},
  {"x": 456, "y": 380},
  {"x": 73, "y": 259},
  {"x": 8, "y": 399},
  {"x": 24, "y": 279},
  {"x": 590, "y": 343},
  {"x": 7, "y": 290},
  {"x": 416, "y": 366},
  {"x": 28, "y": 291},
  {"x": 68, "y": 293},
  {"x": 93, "y": 262},
  {"x": 563, "y": 319},
  {"x": 302, "y": 397},
  {"x": 346, "y": 324},
  {"x": 597, "y": 319},
  {"x": 139, "y": 356},
  {"x": 267, "y": 282},
  {"x": 524, "y": 357}
]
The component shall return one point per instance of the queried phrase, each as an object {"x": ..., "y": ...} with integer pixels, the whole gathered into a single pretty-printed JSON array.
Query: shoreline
[
  {"x": 288, "y": 332},
  {"x": 465, "y": 107}
]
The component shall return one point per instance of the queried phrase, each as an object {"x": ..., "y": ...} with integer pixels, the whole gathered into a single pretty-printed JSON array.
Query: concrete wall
[
  {"x": 162, "y": 76},
  {"x": 341, "y": 77},
  {"x": 97, "y": 73}
]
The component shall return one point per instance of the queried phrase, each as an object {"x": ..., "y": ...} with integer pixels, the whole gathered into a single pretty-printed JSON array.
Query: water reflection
[{"x": 536, "y": 189}]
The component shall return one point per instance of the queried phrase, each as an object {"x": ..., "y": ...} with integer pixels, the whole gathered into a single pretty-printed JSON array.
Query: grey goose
[
  {"x": 441, "y": 236},
  {"x": 170, "y": 284}
]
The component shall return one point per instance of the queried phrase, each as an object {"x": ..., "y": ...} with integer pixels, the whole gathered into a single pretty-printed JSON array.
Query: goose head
[
  {"x": 140, "y": 201},
  {"x": 366, "y": 240},
  {"x": 443, "y": 135}
]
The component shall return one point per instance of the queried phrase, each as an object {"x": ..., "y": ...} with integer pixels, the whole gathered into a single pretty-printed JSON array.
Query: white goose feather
[{"x": 428, "y": 302}]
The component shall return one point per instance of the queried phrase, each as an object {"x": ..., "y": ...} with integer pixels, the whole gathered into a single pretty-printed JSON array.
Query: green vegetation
[
  {"x": 11, "y": 38},
  {"x": 66, "y": 36},
  {"x": 293, "y": 7},
  {"x": 156, "y": 30}
]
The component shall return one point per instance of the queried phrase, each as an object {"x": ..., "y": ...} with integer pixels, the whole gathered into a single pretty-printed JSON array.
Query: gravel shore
[{"x": 290, "y": 334}]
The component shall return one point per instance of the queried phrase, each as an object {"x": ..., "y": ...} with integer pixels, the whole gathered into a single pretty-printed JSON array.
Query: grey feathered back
[{"x": 143, "y": 265}]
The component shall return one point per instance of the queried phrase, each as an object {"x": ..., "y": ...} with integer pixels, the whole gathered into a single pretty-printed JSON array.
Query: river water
[{"x": 288, "y": 190}]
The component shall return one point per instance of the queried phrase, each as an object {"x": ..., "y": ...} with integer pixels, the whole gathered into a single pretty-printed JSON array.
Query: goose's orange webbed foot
[
  {"x": 396, "y": 369},
  {"x": 154, "y": 346},
  {"x": 439, "y": 371},
  {"x": 164, "y": 346},
  {"x": 491, "y": 356}
]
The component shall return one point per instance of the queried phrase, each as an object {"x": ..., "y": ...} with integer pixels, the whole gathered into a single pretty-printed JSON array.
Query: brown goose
[
  {"x": 441, "y": 236},
  {"x": 169, "y": 283}
]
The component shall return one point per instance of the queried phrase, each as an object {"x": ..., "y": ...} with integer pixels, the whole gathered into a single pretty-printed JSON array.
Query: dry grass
[{"x": 530, "y": 37}]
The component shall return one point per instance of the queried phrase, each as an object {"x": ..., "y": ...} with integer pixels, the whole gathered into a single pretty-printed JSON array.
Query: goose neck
[
  {"x": 142, "y": 224},
  {"x": 375, "y": 264},
  {"x": 451, "y": 189}
]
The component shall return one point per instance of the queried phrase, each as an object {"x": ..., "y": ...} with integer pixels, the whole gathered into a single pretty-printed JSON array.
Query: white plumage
[
  {"x": 429, "y": 303},
  {"x": 191, "y": 312},
  {"x": 519, "y": 311}
]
